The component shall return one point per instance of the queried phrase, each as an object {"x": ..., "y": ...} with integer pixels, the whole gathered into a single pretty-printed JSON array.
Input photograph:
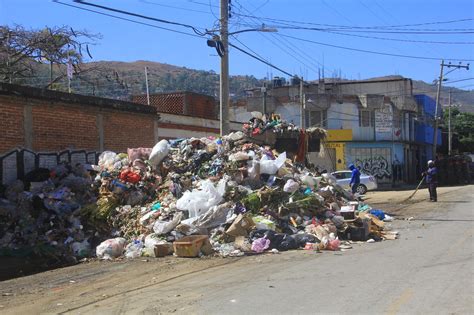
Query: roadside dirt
[{"x": 97, "y": 283}]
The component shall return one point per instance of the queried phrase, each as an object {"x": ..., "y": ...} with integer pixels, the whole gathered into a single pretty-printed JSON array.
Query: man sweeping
[
  {"x": 432, "y": 180},
  {"x": 355, "y": 178}
]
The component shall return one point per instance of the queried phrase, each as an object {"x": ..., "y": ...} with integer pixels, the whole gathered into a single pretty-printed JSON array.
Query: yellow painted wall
[
  {"x": 339, "y": 146},
  {"x": 339, "y": 135}
]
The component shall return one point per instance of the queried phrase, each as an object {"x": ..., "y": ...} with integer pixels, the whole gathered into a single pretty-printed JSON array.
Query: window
[
  {"x": 318, "y": 118},
  {"x": 366, "y": 118}
]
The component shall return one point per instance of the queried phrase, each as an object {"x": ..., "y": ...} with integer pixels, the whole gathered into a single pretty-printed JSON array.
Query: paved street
[{"x": 428, "y": 270}]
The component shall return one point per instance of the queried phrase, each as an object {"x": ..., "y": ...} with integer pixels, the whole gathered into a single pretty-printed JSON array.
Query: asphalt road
[{"x": 428, "y": 270}]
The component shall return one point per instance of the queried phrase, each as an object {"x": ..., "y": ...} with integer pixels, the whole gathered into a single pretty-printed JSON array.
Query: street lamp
[{"x": 221, "y": 43}]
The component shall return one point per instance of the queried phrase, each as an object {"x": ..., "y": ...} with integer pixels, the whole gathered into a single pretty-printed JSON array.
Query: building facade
[{"x": 374, "y": 124}]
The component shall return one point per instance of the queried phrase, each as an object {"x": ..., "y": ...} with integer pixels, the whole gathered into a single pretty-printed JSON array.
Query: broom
[{"x": 417, "y": 187}]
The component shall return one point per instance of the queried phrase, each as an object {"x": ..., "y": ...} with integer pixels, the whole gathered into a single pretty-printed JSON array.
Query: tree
[
  {"x": 22, "y": 51},
  {"x": 463, "y": 125}
]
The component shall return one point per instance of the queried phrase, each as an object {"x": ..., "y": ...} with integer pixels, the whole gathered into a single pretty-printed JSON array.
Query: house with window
[{"x": 370, "y": 123}]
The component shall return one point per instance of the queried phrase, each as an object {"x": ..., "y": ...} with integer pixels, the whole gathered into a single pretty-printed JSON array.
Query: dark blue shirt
[{"x": 432, "y": 175}]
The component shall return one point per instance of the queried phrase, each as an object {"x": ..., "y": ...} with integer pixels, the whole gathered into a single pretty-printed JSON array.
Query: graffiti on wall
[{"x": 376, "y": 166}]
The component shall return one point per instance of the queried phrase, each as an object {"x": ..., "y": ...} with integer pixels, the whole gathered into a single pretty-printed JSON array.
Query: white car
[{"x": 367, "y": 182}]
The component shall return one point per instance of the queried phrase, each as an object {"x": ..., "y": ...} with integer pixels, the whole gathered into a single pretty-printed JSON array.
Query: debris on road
[{"x": 230, "y": 196}]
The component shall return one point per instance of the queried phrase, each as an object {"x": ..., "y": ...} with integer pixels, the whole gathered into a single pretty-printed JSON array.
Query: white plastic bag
[
  {"x": 107, "y": 159},
  {"x": 164, "y": 227},
  {"x": 134, "y": 249},
  {"x": 270, "y": 167},
  {"x": 236, "y": 136},
  {"x": 159, "y": 152},
  {"x": 291, "y": 186},
  {"x": 263, "y": 223},
  {"x": 111, "y": 248},
  {"x": 197, "y": 202},
  {"x": 238, "y": 156}
]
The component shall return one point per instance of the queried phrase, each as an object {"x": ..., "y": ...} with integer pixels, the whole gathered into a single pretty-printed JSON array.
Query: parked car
[{"x": 367, "y": 182}]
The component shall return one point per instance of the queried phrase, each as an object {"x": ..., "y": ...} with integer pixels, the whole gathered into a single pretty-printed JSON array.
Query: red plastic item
[{"x": 130, "y": 177}]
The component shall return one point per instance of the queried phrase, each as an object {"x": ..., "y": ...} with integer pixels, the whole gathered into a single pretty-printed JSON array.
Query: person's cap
[{"x": 430, "y": 162}]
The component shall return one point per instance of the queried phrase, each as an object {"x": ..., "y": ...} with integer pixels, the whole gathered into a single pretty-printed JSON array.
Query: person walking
[
  {"x": 432, "y": 180},
  {"x": 355, "y": 178}
]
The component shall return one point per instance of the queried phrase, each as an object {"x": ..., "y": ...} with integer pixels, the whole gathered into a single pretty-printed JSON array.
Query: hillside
[{"x": 121, "y": 80}]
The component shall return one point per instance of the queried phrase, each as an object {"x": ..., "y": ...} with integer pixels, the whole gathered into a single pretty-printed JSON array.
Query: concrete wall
[{"x": 179, "y": 126}]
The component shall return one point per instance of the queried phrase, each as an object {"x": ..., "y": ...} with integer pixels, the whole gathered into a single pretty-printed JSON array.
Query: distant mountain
[
  {"x": 465, "y": 98},
  {"x": 121, "y": 80}
]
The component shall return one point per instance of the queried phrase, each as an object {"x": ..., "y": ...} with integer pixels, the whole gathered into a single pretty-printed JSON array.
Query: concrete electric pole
[
  {"x": 224, "y": 78},
  {"x": 449, "y": 124},
  {"x": 436, "y": 118},
  {"x": 147, "y": 90}
]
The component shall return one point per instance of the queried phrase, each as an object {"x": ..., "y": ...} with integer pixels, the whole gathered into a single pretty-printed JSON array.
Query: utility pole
[
  {"x": 224, "y": 78},
  {"x": 146, "y": 83},
  {"x": 302, "y": 118},
  {"x": 264, "y": 105},
  {"x": 449, "y": 124},
  {"x": 440, "y": 80}
]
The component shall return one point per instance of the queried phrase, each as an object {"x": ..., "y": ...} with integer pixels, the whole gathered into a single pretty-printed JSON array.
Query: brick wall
[
  {"x": 182, "y": 103},
  {"x": 42, "y": 120},
  {"x": 11, "y": 124}
]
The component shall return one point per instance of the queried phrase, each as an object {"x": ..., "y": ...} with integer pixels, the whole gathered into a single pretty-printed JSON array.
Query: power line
[
  {"x": 355, "y": 27},
  {"x": 173, "y": 7},
  {"x": 195, "y": 30},
  {"x": 372, "y": 52},
  {"x": 261, "y": 60},
  {"x": 125, "y": 19},
  {"x": 401, "y": 40},
  {"x": 466, "y": 79},
  {"x": 289, "y": 46}
]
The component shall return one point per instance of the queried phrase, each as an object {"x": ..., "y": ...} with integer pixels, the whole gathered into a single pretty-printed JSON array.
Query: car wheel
[{"x": 361, "y": 189}]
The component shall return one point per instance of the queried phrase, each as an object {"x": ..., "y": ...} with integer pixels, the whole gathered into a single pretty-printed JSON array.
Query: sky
[{"x": 305, "y": 53}]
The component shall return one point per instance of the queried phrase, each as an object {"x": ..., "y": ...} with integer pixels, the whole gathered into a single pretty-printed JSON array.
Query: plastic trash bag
[
  {"x": 134, "y": 249},
  {"x": 159, "y": 152},
  {"x": 107, "y": 159},
  {"x": 302, "y": 239},
  {"x": 151, "y": 240},
  {"x": 138, "y": 154},
  {"x": 197, "y": 202},
  {"x": 111, "y": 248},
  {"x": 236, "y": 136},
  {"x": 217, "y": 215},
  {"x": 291, "y": 186},
  {"x": 81, "y": 249},
  {"x": 263, "y": 223},
  {"x": 164, "y": 227},
  {"x": 271, "y": 167},
  {"x": 260, "y": 244},
  {"x": 238, "y": 156}
]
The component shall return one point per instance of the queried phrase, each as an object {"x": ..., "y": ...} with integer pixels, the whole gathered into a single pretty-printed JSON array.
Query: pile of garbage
[
  {"x": 260, "y": 123},
  {"x": 190, "y": 197},
  {"x": 41, "y": 214}
]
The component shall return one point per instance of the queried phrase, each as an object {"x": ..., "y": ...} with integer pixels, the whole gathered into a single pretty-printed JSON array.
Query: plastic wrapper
[
  {"x": 291, "y": 186},
  {"x": 164, "y": 227},
  {"x": 263, "y": 223},
  {"x": 271, "y": 167},
  {"x": 197, "y": 202},
  {"x": 111, "y": 248},
  {"x": 260, "y": 244},
  {"x": 134, "y": 249},
  {"x": 159, "y": 152},
  {"x": 107, "y": 160}
]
